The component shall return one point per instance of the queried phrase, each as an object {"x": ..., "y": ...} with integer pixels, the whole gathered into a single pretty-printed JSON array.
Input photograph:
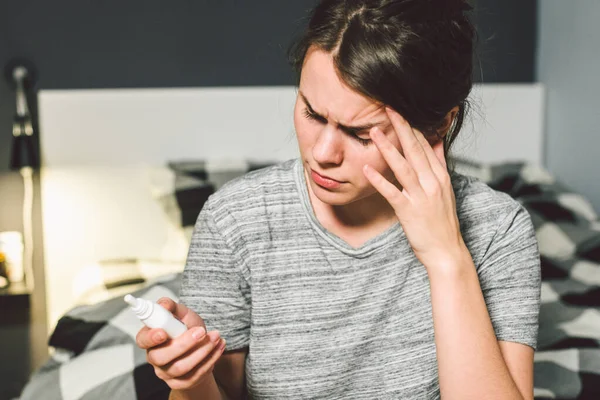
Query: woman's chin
[{"x": 338, "y": 197}]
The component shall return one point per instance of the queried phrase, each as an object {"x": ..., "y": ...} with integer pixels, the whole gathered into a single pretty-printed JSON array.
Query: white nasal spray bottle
[{"x": 155, "y": 316}]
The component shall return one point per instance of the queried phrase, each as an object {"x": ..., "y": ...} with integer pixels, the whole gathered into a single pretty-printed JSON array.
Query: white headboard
[
  {"x": 97, "y": 145},
  {"x": 152, "y": 126}
]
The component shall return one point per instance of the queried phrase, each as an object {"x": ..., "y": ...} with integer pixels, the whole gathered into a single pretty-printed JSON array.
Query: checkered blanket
[
  {"x": 567, "y": 361},
  {"x": 96, "y": 356},
  {"x": 183, "y": 193}
]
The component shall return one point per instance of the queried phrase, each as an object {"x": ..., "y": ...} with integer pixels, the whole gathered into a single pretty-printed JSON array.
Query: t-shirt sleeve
[
  {"x": 510, "y": 279},
  {"x": 213, "y": 285}
]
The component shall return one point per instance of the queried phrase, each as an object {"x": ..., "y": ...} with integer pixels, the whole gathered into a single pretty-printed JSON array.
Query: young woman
[{"x": 365, "y": 269}]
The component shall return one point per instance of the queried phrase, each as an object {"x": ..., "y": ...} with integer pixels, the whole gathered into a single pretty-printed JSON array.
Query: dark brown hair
[{"x": 415, "y": 56}]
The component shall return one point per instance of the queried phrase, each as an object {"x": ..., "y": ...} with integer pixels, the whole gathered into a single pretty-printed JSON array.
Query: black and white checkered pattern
[
  {"x": 194, "y": 181},
  {"x": 97, "y": 357},
  {"x": 567, "y": 362}
]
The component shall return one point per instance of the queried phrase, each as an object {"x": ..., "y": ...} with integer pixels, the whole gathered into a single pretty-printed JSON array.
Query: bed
[{"x": 118, "y": 209}]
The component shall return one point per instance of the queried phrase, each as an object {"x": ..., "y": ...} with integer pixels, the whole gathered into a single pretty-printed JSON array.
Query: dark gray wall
[
  {"x": 153, "y": 43},
  {"x": 507, "y": 31},
  {"x": 92, "y": 44}
]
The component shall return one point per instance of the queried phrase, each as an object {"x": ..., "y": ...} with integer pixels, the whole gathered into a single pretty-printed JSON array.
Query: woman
[{"x": 365, "y": 269}]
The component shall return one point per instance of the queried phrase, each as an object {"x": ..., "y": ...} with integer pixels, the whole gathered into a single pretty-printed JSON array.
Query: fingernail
[
  {"x": 222, "y": 344},
  {"x": 159, "y": 337},
  {"x": 198, "y": 333},
  {"x": 162, "y": 300},
  {"x": 215, "y": 336}
]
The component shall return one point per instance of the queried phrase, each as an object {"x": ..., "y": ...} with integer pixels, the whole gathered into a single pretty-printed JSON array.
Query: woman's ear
[{"x": 448, "y": 120}]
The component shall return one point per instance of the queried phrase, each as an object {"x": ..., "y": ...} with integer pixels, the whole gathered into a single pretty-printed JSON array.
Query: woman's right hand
[{"x": 189, "y": 359}]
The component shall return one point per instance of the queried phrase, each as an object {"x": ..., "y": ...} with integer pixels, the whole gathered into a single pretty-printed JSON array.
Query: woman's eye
[
  {"x": 361, "y": 137},
  {"x": 313, "y": 116},
  {"x": 364, "y": 142}
]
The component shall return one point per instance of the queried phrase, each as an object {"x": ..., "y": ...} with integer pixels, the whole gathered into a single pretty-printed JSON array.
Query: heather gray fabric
[{"x": 325, "y": 320}]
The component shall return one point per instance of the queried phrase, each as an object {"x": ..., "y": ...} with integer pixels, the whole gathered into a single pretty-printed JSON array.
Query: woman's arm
[
  {"x": 208, "y": 390},
  {"x": 471, "y": 364}
]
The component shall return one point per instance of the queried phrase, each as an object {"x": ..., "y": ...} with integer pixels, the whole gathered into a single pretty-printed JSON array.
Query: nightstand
[{"x": 14, "y": 339}]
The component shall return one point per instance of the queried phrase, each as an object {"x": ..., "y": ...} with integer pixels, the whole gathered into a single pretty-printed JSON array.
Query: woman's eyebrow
[{"x": 353, "y": 129}]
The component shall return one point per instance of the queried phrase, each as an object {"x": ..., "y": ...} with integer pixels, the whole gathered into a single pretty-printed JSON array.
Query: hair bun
[
  {"x": 445, "y": 9},
  {"x": 420, "y": 10},
  {"x": 456, "y": 6}
]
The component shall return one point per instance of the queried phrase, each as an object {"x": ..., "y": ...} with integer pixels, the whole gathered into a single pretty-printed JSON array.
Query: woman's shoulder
[
  {"x": 269, "y": 182},
  {"x": 478, "y": 204},
  {"x": 488, "y": 218}
]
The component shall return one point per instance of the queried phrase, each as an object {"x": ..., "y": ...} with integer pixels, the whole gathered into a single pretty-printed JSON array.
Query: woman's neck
[
  {"x": 373, "y": 210},
  {"x": 364, "y": 214}
]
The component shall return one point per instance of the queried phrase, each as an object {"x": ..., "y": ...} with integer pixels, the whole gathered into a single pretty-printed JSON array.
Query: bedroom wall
[
  {"x": 86, "y": 44},
  {"x": 153, "y": 44},
  {"x": 568, "y": 64}
]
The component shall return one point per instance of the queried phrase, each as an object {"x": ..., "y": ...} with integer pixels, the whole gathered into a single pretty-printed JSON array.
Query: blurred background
[{"x": 112, "y": 44}]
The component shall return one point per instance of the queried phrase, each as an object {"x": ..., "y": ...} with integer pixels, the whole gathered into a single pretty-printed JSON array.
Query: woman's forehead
[{"x": 327, "y": 93}]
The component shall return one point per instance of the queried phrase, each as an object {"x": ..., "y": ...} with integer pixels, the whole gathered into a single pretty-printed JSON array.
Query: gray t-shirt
[{"x": 322, "y": 319}]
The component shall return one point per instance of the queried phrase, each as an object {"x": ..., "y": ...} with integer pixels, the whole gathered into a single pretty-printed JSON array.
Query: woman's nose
[{"x": 328, "y": 148}]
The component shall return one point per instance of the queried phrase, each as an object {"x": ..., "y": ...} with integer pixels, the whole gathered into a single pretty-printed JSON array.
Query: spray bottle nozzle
[
  {"x": 155, "y": 316},
  {"x": 132, "y": 301},
  {"x": 141, "y": 307}
]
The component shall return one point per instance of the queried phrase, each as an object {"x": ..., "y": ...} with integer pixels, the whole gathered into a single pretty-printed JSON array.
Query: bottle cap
[{"x": 139, "y": 306}]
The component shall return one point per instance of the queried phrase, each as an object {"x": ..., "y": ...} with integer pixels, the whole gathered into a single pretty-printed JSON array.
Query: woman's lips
[{"x": 324, "y": 181}]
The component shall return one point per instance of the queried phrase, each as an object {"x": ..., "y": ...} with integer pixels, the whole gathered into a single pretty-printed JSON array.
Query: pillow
[{"x": 184, "y": 189}]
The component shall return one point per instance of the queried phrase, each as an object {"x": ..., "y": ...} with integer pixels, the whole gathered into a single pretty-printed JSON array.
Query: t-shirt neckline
[{"x": 390, "y": 235}]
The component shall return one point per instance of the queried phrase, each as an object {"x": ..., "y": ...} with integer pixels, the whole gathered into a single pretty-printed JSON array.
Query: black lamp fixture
[
  {"x": 21, "y": 75},
  {"x": 24, "y": 157}
]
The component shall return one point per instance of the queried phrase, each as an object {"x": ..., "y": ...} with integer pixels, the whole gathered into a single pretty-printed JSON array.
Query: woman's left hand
[{"x": 425, "y": 204}]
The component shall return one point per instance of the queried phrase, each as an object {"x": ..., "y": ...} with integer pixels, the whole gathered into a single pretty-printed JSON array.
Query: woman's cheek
[{"x": 381, "y": 166}]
